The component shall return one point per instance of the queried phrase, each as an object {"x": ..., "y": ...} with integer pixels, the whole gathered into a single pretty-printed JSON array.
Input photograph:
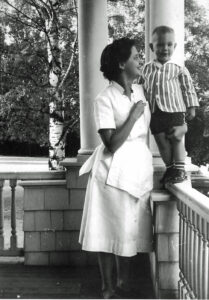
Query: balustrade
[
  {"x": 13, "y": 178},
  {"x": 193, "y": 209}
]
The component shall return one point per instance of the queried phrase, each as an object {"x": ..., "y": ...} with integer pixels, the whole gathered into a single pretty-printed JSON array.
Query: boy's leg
[
  {"x": 165, "y": 149},
  {"x": 179, "y": 153}
]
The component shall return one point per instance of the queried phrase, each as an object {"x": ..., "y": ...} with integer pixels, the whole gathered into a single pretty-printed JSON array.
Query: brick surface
[
  {"x": 168, "y": 247},
  {"x": 37, "y": 258},
  {"x": 168, "y": 275},
  {"x": 32, "y": 241},
  {"x": 72, "y": 220},
  {"x": 42, "y": 221},
  {"x": 33, "y": 199},
  {"x": 166, "y": 217},
  {"x": 77, "y": 197},
  {"x": 66, "y": 241},
  {"x": 75, "y": 181},
  {"x": 29, "y": 221},
  {"x": 57, "y": 220},
  {"x": 47, "y": 241},
  {"x": 76, "y": 258},
  {"x": 56, "y": 198}
]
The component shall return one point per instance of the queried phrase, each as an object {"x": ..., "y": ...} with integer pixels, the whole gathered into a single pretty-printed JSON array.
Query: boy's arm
[{"x": 187, "y": 88}]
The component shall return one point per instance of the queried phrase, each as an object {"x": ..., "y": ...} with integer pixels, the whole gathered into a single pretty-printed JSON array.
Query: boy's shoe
[
  {"x": 177, "y": 176},
  {"x": 166, "y": 176}
]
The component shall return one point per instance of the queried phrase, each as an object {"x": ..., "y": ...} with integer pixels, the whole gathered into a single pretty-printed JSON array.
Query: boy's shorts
[{"x": 163, "y": 121}]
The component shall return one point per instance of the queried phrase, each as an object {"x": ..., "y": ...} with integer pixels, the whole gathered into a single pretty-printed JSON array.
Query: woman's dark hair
[{"x": 113, "y": 54}]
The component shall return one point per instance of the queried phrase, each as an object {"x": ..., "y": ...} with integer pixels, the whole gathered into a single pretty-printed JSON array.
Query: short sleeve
[{"x": 103, "y": 112}]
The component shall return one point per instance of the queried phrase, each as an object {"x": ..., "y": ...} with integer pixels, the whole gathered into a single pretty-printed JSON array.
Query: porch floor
[{"x": 19, "y": 281}]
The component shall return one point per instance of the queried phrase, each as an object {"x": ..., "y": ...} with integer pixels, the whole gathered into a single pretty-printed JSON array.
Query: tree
[
  {"x": 197, "y": 61},
  {"x": 45, "y": 26},
  {"x": 127, "y": 18},
  {"x": 26, "y": 90}
]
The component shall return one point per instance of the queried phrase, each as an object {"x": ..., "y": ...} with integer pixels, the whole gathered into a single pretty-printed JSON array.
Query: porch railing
[
  {"x": 13, "y": 179},
  {"x": 201, "y": 183},
  {"x": 193, "y": 209}
]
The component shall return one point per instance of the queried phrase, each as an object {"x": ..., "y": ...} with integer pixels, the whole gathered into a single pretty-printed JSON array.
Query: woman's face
[{"x": 131, "y": 66}]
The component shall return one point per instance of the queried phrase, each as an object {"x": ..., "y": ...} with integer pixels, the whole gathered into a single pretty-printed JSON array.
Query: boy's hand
[
  {"x": 190, "y": 114},
  {"x": 177, "y": 132}
]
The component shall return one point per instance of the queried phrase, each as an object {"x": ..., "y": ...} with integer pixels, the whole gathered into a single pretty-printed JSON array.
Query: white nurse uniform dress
[{"x": 117, "y": 215}]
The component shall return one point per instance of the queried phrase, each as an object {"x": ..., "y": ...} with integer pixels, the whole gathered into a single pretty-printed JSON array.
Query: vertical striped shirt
[{"x": 169, "y": 86}]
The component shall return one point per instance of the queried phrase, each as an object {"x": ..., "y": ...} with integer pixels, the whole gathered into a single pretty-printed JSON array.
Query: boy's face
[{"x": 163, "y": 45}]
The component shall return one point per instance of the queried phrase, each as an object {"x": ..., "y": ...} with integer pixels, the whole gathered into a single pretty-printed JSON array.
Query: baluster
[
  {"x": 192, "y": 244},
  {"x": 180, "y": 283},
  {"x": 184, "y": 242},
  {"x": 200, "y": 252},
  {"x": 190, "y": 247},
  {"x": 1, "y": 215},
  {"x": 180, "y": 236},
  {"x": 188, "y": 253},
  {"x": 13, "y": 238},
  {"x": 207, "y": 296},
  {"x": 195, "y": 257},
  {"x": 205, "y": 261}
]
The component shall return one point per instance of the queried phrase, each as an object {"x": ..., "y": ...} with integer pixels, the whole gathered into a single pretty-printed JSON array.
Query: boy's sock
[
  {"x": 169, "y": 166},
  {"x": 179, "y": 165}
]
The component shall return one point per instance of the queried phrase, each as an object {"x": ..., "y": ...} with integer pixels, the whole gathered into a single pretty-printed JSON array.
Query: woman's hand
[
  {"x": 176, "y": 133},
  {"x": 114, "y": 138},
  {"x": 137, "y": 110}
]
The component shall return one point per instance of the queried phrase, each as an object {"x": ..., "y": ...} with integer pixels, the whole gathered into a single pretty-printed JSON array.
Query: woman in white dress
[{"x": 117, "y": 220}]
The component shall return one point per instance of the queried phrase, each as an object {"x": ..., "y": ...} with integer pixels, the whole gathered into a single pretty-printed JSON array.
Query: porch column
[
  {"x": 93, "y": 35},
  {"x": 169, "y": 13}
]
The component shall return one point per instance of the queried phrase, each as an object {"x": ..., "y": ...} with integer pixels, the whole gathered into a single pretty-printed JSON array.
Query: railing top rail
[
  {"x": 37, "y": 175},
  {"x": 191, "y": 197}
]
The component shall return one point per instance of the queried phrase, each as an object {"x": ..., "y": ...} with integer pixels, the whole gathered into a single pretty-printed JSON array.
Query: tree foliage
[
  {"x": 197, "y": 61},
  {"x": 24, "y": 70},
  {"x": 24, "y": 67}
]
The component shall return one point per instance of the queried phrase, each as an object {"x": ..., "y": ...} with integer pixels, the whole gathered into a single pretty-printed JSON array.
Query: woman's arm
[{"x": 114, "y": 138}]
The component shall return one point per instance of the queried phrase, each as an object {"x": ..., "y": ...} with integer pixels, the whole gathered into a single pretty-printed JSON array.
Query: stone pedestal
[{"x": 165, "y": 259}]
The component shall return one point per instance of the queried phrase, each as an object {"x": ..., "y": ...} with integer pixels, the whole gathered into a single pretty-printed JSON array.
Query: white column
[
  {"x": 169, "y": 13},
  {"x": 92, "y": 37}
]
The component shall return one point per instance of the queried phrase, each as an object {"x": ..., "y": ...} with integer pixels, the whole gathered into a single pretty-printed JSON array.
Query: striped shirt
[{"x": 169, "y": 86}]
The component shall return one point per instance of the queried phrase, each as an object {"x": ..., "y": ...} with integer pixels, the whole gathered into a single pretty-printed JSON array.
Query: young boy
[{"x": 172, "y": 98}]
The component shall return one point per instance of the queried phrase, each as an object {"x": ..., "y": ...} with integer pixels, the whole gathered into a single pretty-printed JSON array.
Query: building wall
[{"x": 52, "y": 216}]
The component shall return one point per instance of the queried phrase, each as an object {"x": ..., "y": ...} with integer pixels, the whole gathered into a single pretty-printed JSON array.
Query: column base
[{"x": 84, "y": 154}]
